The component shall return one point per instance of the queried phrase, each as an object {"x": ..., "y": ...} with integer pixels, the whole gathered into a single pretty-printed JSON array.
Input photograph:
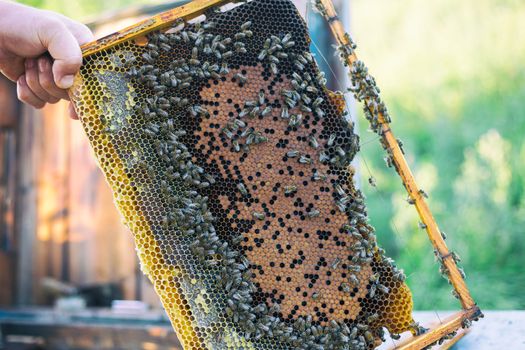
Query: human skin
[{"x": 40, "y": 51}]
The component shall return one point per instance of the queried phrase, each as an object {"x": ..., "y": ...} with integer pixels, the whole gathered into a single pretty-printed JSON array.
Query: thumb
[{"x": 64, "y": 49}]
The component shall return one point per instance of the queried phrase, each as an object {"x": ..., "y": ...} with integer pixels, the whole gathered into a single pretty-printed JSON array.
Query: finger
[
  {"x": 72, "y": 112},
  {"x": 64, "y": 49},
  {"x": 12, "y": 67},
  {"x": 32, "y": 80},
  {"x": 80, "y": 31},
  {"x": 26, "y": 95},
  {"x": 45, "y": 76}
]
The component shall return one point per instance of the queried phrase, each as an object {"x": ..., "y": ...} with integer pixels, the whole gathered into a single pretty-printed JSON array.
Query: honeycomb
[{"x": 229, "y": 160}]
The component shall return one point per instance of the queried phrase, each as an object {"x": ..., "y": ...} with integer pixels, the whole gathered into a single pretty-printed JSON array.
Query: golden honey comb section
[{"x": 230, "y": 162}]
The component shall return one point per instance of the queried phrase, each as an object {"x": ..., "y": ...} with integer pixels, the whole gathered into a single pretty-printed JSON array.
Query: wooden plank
[
  {"x": 25, "y": 206},
  {"x": 8, "y": 102}
]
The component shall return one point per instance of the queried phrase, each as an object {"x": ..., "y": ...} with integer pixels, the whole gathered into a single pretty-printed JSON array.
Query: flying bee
[{"x": 372, "y": 181}]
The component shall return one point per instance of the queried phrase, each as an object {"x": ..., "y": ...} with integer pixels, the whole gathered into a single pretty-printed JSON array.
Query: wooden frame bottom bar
[{"x": 450, "y": 324}]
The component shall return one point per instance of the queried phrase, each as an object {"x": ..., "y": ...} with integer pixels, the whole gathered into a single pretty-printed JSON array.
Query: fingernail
[
  {"x": 66, "y": 82},
  {"x": 42, "y": 65}
]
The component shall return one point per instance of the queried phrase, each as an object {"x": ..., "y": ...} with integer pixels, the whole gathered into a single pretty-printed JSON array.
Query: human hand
[{"x": 40, "y": 51}]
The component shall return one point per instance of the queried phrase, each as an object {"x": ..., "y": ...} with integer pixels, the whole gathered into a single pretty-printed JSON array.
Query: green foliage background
[{"x": 452, "y": 74}]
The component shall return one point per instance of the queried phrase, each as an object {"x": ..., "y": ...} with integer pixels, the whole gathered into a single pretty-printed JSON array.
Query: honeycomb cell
[{"x": 230, "y": 162}]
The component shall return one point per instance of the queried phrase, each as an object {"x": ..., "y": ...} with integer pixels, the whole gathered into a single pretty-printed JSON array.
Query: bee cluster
[{"x": 230, "y": 161}]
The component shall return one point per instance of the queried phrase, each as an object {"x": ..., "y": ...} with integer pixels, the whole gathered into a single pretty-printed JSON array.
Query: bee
[
  {"x": 305, "y": 160},
  {"x": 331, "y": 140},
  {"x": 274, "y": 68},
  {"x": 240, "y": 36},
  {"x": 299, "y": 65},
  {"x": 372, "y": 291},
  {"x": 258, "y": 215},
  {"x": 273, "y": 59},
  {"x": 318, "y": 102},
  {"x": 227, "y": 54},
  {"x": 345, "y": 287},
  {"x": 262, "y": 55},
  {"x": 305, "y": 109},
  {"x": 313, "y": 142},
  {"x": 295, "y": 120},
  {"x": 242, "y": 189},
  {"x": 316, "y": 296},
  {"x": 383, "y": 289},
  {"x": 323, "y": 157},
  {"x": 335, "y": 263},
  {"x": 411, "y": 201},
  {"x": 423, "y": 193},
  {"x": 246, "y": 25},
  {"x": 354, "y": 268},
  {"x": 422, "y": 225},
  {"x": 313, "y": 213},
  {"x": 443, "y": 235},
  {"x": 285, "y": 113},
  {"x": 236, "y": 146},
  {"x": 388, "y": 161},
  {"x": 319, "y": 112},
  {"x": 306, "y": 99},
  {"x": 339, "y": 189},
  {"x": 319, "y": 176},
  {"x": 353, "y": 280},
  {"x": 372, "y": 181},
  {"x": 290, "y": 189},
  {"x": 241, "y": 78},
  {"x": 292, "y": 154}
]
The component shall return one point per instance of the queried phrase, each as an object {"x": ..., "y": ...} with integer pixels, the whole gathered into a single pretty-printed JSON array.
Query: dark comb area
[{"x": 230, "y": 162}]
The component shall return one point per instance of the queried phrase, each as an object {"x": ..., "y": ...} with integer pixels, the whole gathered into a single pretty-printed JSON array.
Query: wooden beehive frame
[{"x": 469, "y": 308}]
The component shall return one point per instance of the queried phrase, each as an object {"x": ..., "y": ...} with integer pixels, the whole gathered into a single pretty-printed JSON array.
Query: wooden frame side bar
[
  {"x": 160, "y": 21},
  {"x": 404, "y": 172}
]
